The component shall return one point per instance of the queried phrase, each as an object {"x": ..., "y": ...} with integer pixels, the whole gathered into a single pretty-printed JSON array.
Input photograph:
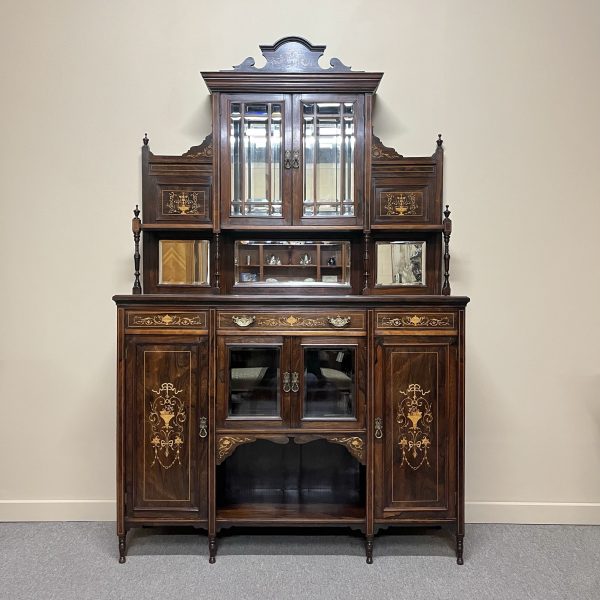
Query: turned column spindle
[
  {"x": 447, "y": 230},
  {"x": 367, "y": 241},
  {"x": 136, "y": 227},
  {"x": 217, "y": 261}
]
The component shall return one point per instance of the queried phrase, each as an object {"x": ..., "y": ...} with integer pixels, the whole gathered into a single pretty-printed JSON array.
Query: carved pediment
[{"x": 292, "y": 55}]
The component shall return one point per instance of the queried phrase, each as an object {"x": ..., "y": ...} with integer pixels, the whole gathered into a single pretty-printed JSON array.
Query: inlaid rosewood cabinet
[{"x": 291, "y": 354}]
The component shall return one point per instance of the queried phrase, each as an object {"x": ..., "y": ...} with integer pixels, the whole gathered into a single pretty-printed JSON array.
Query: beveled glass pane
[
  {"x": 309, "y": 159},
  {"x": 328, "y": 145},
  {"x": 275, "y": 158},
  {"x": 255, "y": 141},
  {"x": 256, "y": 154},
  {"x": 183, "y": 262},
  {"x": 328, "y": 108},
  {"x": 254, "y": 382},
  {"x": 400, "y": 263},
  {"x": 329, "y": 383}
]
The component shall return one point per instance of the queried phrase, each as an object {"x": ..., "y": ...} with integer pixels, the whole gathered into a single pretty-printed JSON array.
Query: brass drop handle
[
  {"x": 378, "y": 428},
  {"x": 295, "y": 384},
  {"x": 296, "y": 160},
  {"x": 286, "y": 382},
  {"x": 339, "y": 321},
  {"x": 203, "y": 427},
  {"x": 287, "y": 161},
  {"x": 243, "y": 320}
]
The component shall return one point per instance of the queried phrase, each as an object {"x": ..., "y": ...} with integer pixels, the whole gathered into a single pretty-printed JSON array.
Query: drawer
[
  {"x": 138, "y": 321},
  {"x": 292, "y": 321},
  {"x": 408, "y": 321}
]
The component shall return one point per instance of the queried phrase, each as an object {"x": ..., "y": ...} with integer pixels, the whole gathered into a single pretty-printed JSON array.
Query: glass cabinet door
[
  {"x": 329, "y": 134},
  {"x": 254, "y": 186},
  {"x": 330, "y": 382},
  {"x": 292, "y": 159},
  {"x": 252, "y": 384}
]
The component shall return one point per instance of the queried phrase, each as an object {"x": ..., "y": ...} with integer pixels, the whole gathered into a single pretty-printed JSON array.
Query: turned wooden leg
[
  {"x": 369, "y": 548},
  {"x": 122, "y": 547},
  {"x": 459, "y": 548},
  {"x": 212, "y": 549}
]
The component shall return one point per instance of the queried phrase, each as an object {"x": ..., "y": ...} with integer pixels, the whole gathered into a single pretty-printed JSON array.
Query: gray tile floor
[{"x": 79, "y": 561}]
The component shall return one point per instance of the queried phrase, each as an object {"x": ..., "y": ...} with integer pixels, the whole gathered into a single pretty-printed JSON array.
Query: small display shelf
[{"x": 292, "y": 263}]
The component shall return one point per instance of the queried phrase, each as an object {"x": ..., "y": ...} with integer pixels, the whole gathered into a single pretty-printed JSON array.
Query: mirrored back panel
[
  {"x": 184, "y": 262},
  {"x": 292, "y": 263}
]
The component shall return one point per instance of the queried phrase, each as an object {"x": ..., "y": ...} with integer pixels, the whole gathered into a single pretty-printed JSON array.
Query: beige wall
[{"x": 514, "y": 87}]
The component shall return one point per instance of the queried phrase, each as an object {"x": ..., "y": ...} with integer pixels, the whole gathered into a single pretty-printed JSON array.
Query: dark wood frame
[{"x": 375, "y": 320}]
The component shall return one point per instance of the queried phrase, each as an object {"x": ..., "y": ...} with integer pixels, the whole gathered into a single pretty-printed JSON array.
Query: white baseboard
[
  {"x": 58, "y": 510},
  {"x": 534, "y": 513},
  {"x": 571, "y": 513}
]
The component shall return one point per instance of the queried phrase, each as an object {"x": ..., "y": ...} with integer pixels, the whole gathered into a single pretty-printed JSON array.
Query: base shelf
[{"x": 291, "y": 513}]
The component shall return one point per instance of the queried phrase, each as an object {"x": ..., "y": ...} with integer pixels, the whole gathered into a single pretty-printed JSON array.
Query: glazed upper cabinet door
[
  {"x": 292, "y": 160},
  {"x": 329, "y": 148},
  {"x": 415, "y": 439},
  {"x": 256, "y": 159},
  {"x": 168, "y": 429}
]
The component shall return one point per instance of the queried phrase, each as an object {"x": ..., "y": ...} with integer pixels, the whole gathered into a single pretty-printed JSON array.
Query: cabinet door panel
[
  {"x": 329, "y": 375},
  {"x": 256, "y": 159},
  {"x": 328, "y": 172},
  {"x": 167, "y": 463},
  {"x": 253, "y": 382},
  {"x": 416, "y": 456}
]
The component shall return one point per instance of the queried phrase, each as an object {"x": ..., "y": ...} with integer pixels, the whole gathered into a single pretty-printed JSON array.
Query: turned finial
[
  {"x": 146, "y": 139},
  {"x": 136, "y": 211},
  {"x": 447, "y": 212},
  {"x": 439, "y": 141}
]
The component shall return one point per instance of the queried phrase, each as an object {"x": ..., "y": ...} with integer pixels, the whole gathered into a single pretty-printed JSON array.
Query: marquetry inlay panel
[
  {"x": 172, "y": 320},
  {"x": 414, "y": 417},
  {"x": 183, "y": 203},
  {"x": 415, "y": 320},
  {"x": 167, "y": 418},
  {"x": 401, "y": 204},
  {"x": 335, "y": 320}
]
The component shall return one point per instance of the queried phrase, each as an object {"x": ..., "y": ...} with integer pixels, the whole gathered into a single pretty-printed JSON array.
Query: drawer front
[
  {"x": 138, "y": 320},
  {"x": 292, "y": 321},
  {"x": 423, "y": 322}
]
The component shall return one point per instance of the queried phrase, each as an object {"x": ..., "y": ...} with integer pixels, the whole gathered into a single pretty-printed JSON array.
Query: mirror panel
[
  {"x": 400, "y": 263},
  {"x": 183, "y": 262}
]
